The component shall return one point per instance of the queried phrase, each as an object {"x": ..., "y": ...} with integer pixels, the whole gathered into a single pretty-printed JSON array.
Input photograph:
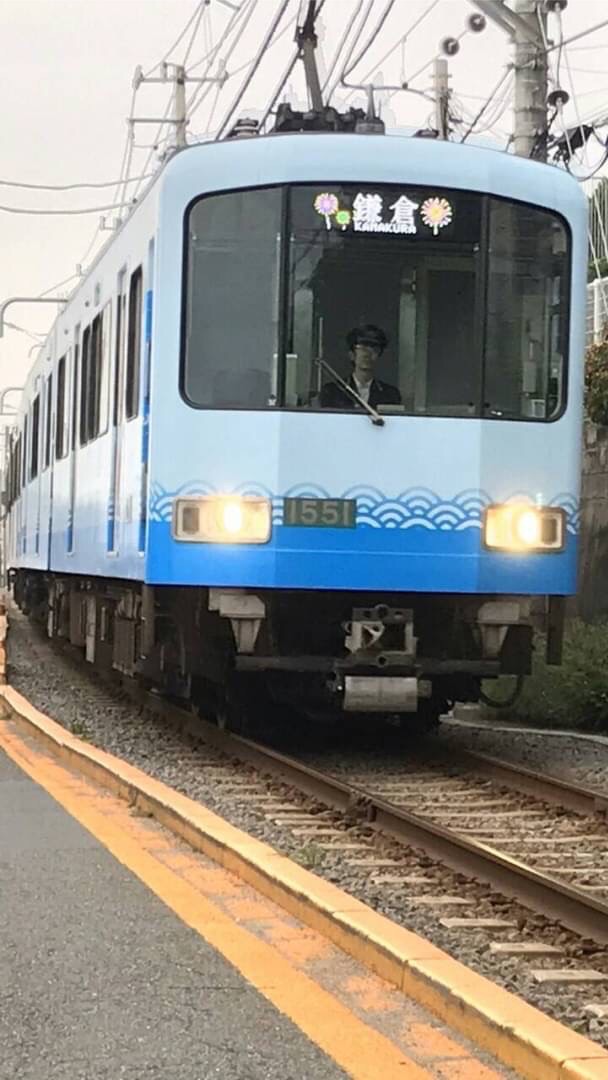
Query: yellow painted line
[
  {"x": 535, "y": 1046},
  {"x": 356, "y": 1047}
]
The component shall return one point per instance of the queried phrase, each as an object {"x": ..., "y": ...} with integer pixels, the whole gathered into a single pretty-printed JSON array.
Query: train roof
[{"x": 398, "y": 159}]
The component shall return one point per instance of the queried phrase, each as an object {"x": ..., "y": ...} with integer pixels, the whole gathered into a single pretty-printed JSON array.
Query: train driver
[{"x": 365, "y": 345}]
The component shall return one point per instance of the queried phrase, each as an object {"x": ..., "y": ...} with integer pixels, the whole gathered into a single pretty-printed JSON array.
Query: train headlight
[
  {"x": 223, "y": 519},
  {"x": 517, "y": 527}
]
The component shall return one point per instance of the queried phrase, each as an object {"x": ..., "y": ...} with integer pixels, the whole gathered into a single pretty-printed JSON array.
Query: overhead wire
[
  {"x": 22, "y": 330},
  {"x": 127, "y": 155},
  {"x": 69, "y": 211},
  {"x": 69, "y": 187},
  {"x": 401, "y": 41},
  {"x": 197, "y": 12},
  {"x": 245, "y": 12},
  {"x": 197, "y": 23},
  {"x": 579, "y": 122},
  {"x": 350, "y": 37},
  {"x": 334, "y": 63},
  {"x": 355, "y": 33},
  {"x": 283, "y": 5},
  {"x": 58, "y": 285},
  {"x": 368, "y": 44},
  {"x": 487, "y": 103},
  {"x": 210, "y": 57}
]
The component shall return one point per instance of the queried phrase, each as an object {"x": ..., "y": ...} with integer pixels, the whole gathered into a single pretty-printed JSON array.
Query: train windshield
[{"x": 424, "y": 301}]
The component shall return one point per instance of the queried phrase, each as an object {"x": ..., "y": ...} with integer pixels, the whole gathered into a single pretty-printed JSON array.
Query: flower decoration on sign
[
  {"x": 436, "y": 213},
  {"x": 343, "y": 218},
  {"x": 326, "y": 205}
]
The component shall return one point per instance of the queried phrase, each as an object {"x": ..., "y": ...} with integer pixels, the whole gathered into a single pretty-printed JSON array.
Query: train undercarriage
[{"x": 403, "y": 656}]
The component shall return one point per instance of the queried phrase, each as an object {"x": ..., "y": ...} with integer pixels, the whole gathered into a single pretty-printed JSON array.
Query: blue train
[{"x": 310, "y": 426}]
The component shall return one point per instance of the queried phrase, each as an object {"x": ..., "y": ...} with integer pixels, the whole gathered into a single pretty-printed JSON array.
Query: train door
[
  {"x": 117, "y": 416},
  {"x": 47, "y": 467},
  {"x": 437, "y": 319}
]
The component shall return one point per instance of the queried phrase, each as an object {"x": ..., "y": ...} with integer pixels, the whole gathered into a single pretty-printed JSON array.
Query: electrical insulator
[
  {"x": 476, "y": 22},
  {"x": 553, "y": 6},
  {"x": 558, "y": 98},
  {"x": 450, "y": 46}
]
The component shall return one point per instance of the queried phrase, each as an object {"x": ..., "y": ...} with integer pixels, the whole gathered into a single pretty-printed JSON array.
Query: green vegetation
[
  {"x": 574, "y": 695},
  {"x": 79, "y": 728},
  {"x": 596, "y": 382},
  {"x": 311, "y": 856}
]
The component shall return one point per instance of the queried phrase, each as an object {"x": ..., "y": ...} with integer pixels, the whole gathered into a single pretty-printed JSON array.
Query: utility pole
[
  {"x": 441, "y": 94},
  {"x": 530, "y": 107},
  {"x": 526, "y": 25},
  {"x": 176, "y": 74}
]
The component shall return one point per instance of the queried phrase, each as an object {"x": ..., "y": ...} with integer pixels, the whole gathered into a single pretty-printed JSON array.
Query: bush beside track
[
  {"x": 596, "y": 382},
  {"x": 574, "y": 695}
]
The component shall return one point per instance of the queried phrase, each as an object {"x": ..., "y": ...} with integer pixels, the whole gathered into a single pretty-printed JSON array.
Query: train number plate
[{"x": 321, "y": 513}]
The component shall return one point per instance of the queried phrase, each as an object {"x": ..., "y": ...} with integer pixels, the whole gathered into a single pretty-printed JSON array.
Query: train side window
[
  {"x": 75, "y": 371},
  {"x": 94, "y": 372},
  {"x": 8, "y": 476},
  {"x": 232, "y": 305},
  {"x": 35, "y": 438},
  {"x": 134, "y": 344},
  {"x": 24, "y": 477},
  {"x": 105, "y": 363},
  {"x": 119, "y": 365},
  {"x": 60, "y": 414},
  {"x": 527, "y": 313},
  {"x": 48, "y": 418},
  {"x": 18, "y": 466},
  {"x": 84, "y": 380}
]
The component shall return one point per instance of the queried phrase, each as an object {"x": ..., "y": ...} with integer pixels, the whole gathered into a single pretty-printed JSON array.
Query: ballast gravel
[
  {"x": 578, "y": 759},
  {"x": 59, "y": 686}
]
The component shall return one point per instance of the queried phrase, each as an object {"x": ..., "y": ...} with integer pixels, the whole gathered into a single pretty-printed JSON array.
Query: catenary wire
[
  {"x": 427, "y": 11},
  {"x": 69, "y": 211},
  {"x": 372, "y": 38},
  {"x": 234, "y": 18},
  {"x": 245, "y": 12},
  {"x": 481, "y": 111},
  {"x": 336, "y": 58},
  {"x": 252, "y": 71},
  {"x": 70, "y": 187},
  {"x": 197, "y": 12}
]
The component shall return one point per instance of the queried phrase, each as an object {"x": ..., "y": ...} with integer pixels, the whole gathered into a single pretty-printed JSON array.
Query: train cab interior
[{"x": 470, "y": 291}]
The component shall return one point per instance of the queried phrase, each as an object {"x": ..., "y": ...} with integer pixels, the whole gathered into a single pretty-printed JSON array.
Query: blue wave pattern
[{"x": 414, "y": 508}]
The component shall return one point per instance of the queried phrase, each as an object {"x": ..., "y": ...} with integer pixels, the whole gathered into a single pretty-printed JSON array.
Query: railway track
[
  {"x": 531, "y": 837},
  {"x": 537, "y": 839},
  {"x": 381, "y": 823}
]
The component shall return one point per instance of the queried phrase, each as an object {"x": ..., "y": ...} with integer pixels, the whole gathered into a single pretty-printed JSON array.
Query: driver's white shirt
[{"x": 363, "y": 389}]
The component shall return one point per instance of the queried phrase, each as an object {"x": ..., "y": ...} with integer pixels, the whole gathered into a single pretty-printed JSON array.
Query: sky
[{"x": 66, "y": 90}]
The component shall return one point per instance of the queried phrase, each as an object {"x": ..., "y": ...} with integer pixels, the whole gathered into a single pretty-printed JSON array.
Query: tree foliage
[
  {"x": 574, "y": 695},
  {"x": 596, "y": 381}
]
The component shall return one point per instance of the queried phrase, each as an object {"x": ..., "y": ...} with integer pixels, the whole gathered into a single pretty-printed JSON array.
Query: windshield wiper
[{"x": 371, "y": 412}]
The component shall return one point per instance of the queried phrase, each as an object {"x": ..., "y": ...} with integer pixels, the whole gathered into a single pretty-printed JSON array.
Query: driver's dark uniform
[{"x": 380, "y": 393}]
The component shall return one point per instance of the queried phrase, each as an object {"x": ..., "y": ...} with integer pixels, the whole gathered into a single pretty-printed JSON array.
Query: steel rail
[
  {"x": 580, "y": 799},
  {"x": 556, "y": 899},
  {"x": 542, "y": 892}
]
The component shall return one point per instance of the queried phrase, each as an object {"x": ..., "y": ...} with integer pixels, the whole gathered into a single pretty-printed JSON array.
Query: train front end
[{"x": 376, "y": 539}]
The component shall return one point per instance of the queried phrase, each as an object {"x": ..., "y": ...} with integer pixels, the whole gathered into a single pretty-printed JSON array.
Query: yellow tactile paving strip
[
  {"x": 362, "y": 1023},
  {"x": 523, "y": 1038}
]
